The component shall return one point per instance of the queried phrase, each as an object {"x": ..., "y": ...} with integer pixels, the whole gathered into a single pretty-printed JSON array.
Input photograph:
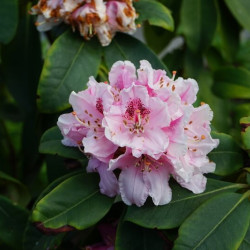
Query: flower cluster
[
  {"x": 101, "y": 17},
  {"x": 144, "y": 124}
]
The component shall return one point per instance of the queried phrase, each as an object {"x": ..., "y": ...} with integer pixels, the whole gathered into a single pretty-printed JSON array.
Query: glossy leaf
[
  {"x": 51, "y": 144},
  {"x": 36, "y": 240},
  {"x": 221, "y": 221},
  {"x": 182, "y": 205},
  {"x": 231, "y": 82},
  {"x": 157, "y": 38},
  {"x": 68, "y": 65},
  {"x": 23, "y": 56},
  {"x": 245, "y": 244},
  {"x": 240, "y": 10},
  {"x": 245, "y": 132},
  {"x": 227, "y": 34},
  {"x": 133, "y": 237},
  {"x": 120, "y": 49},
  {"x": 8, "y": 20},
  {"x": 243, "y": 55},
  {"x": 198, "y": 23},
  {"x": 156, "y": 13},
  {"x": 221, "y": 108},
  {"x": 227, "y": 156},
  {"x": 13, "y": 220},
  {"x": 14, "y": 189},
  {"x": 74, "y": 203}
]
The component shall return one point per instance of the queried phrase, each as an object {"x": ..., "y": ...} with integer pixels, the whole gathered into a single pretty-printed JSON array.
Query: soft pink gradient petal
[
  {"x": 132, "y": 187},
  {"x": 72, "y": 131},
  {"x": 99, "y": 146},
  {"x": 108, "y": 182},
  {"x": 187, "y": 89},
  {"x": 123, "y": 161},
  {"x": 157, "y": 181},
  {"x": 197, "y": 184},
  {"x": 122, "y": 74},
  {"x": 145, "y": 73}
]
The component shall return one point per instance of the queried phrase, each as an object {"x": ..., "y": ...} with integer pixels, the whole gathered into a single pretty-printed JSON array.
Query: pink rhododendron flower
[
  {"x": 91, "y": 17},
  {"x": 144, "y": 124}
]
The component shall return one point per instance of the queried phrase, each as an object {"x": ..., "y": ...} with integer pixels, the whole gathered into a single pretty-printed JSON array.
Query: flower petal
[
  {"x": 159, "y": 189},
  {"x": 122, "y": 74},
  {"x": 99, "y": 146},
  {"x": 108, "y": 182},
  {"x": 132, "y": 187}
]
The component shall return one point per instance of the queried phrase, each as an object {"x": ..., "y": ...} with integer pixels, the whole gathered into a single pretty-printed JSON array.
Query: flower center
[
  {"x": 136, "y": 116},
  {"x": 146, "y": 163},
  {"x": 99, "y": 105}
]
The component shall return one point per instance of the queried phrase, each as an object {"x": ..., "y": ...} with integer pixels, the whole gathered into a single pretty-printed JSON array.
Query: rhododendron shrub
[
  {"x": 124, "y": 124},
  {"x": 152, "y": 119}
]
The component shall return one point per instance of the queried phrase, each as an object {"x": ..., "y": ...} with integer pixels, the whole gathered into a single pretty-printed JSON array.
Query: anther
[
  {"x": 203, "y": 137},
  {"x": 174, "y": 73}
]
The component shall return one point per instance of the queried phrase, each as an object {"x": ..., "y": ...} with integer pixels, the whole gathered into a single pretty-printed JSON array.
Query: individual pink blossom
[
  {"x": 142, "y": 177},
  {"x": 88, "y": 107},
  {"x": 143, "y": 123},
  {"x": 131, "y": 123},
  {"x": 91, "y": 17}
]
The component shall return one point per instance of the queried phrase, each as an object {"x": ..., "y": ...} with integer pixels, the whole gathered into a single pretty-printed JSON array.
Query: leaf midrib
[
  {"x": 218, "y": 224},
  {"x": 207, "y": 193},
  {"x": 70, "y": 208},
  {"x": 71, "y": 65}
]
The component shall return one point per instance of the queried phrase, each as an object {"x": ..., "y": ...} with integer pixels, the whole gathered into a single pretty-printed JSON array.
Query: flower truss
[
  {"x": 143, "y": 123},
  {"x": 101, "y": 17}
]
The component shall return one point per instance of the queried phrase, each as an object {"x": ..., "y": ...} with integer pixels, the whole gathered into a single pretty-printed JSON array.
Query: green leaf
[
  {"x": 245, "y": 244},
  {"x": 156, "y": 38},
  {"x": 220, "y": 223},
  {"x": 74, "y": 203},
  {"x": 226, "y": 38},
  {"x": 231, "y": 82},
  {"x": 243, "y": 55},
  {"x": 13, "y": 220},
  {"x": 68, "y": 65},
  {"x": 35, "y": 240},
  {"x": 23, "y": 55},
  {"x": 198, "y": 23},
  {"x": 8, "y": 20},
  {"x": 240, "y": 10},
  {"x": 156, "y": 13},
  {"x": 125, "y": 47},
  {"x": 14, "y": 189},
  {"x": 245, "y": 132},
  {"x": 132, "y": 237},
  {"x": 227, "y": 155},
  {"x": 51, "y": 144},
  {"x": 182, "y": 205}
]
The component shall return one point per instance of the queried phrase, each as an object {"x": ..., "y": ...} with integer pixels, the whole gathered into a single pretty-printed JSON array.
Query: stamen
[
  {"x": 174, "y": 73},
  {"x": 79, "y": 147}
]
